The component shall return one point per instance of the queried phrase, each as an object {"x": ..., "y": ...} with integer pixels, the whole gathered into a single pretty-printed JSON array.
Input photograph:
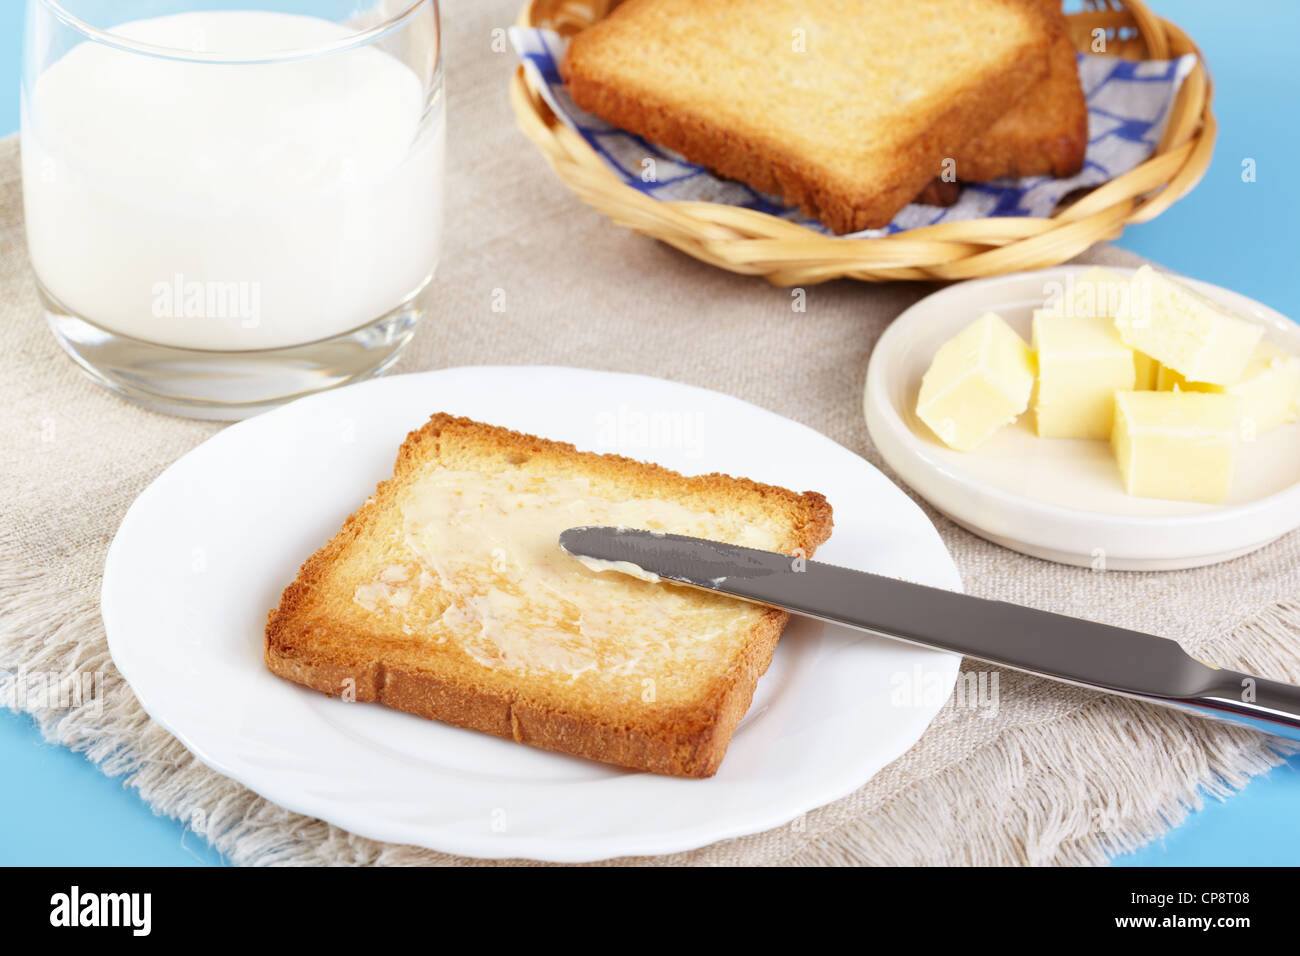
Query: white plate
[
  {"x": 1062, "y": 499},
  {"x": 206, "y": 549}
]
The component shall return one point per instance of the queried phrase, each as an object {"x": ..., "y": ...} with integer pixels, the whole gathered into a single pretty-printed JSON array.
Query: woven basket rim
[{"x": 787, "y": 253}]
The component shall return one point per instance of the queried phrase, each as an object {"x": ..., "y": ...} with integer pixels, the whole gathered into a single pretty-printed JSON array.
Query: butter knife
[{"x": 1085, "y": 653}]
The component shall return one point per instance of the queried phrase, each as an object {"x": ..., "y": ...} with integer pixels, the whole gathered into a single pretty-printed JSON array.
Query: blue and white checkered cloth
[{"x": 1128, "y": 102}]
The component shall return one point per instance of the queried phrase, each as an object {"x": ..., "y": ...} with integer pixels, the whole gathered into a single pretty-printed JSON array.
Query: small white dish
[
  {"x": 206, "y": 550},
  {"x": 1062, "y": 499}
]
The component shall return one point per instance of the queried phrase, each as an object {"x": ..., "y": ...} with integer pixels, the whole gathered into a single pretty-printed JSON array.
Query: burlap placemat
[{"x": 1057, "y": 775}]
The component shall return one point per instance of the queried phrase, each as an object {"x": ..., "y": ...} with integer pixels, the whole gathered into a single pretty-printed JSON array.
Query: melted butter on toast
[{"x": 513, "y": 600}]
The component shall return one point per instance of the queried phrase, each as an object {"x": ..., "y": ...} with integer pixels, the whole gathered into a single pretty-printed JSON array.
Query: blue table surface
[{"x": 56, "y": 808}]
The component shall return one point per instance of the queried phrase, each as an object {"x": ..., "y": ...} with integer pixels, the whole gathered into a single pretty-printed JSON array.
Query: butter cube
[
  {"x": 1179, "y": 445},
  {"x": 1082, "y": 362},
  {"x": 1102, "y": 293},
  {"x": 979, "y": 380},
  {"x": 1182, "y": 329},
  {"x": 1269, "y": 389}
]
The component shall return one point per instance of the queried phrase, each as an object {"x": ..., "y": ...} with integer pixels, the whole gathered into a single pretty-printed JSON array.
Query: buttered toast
[
  {"x": 845, "y": 108},
  {"x": 446, "y": 595}
]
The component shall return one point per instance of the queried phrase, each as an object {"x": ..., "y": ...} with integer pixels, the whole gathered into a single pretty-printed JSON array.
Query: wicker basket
[{"x": 786, "y": 253}]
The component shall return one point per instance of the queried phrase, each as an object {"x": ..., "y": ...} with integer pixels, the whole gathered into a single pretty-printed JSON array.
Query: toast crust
[
  {"x": 309, "y": 648},
  {"x": 939, "y": 192},
  {"x": 771, "y": 163},
  {"x": 1046, "y": 133}
]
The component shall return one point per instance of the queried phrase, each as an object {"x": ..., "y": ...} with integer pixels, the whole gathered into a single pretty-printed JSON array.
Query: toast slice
[
  {"x": 446, "y": 595},
  {"x": 1045, "y": 134},
  {"x": 845, "y": 108}
]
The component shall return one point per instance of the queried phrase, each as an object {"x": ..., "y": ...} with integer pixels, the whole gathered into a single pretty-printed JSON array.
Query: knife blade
[{"x": 1086, "y": 653}]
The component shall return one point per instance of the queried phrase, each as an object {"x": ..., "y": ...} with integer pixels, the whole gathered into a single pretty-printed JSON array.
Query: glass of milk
[{"x": 231, "y": 204}]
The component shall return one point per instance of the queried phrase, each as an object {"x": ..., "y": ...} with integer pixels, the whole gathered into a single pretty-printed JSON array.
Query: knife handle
[{"x": 1256, "y": 702}]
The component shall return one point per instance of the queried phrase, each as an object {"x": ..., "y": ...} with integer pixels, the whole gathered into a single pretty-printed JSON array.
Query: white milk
[{"x": 232, "y": 206}]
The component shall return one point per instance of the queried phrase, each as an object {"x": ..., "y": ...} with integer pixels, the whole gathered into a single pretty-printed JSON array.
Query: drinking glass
[{"x": 232, "y": 204}]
